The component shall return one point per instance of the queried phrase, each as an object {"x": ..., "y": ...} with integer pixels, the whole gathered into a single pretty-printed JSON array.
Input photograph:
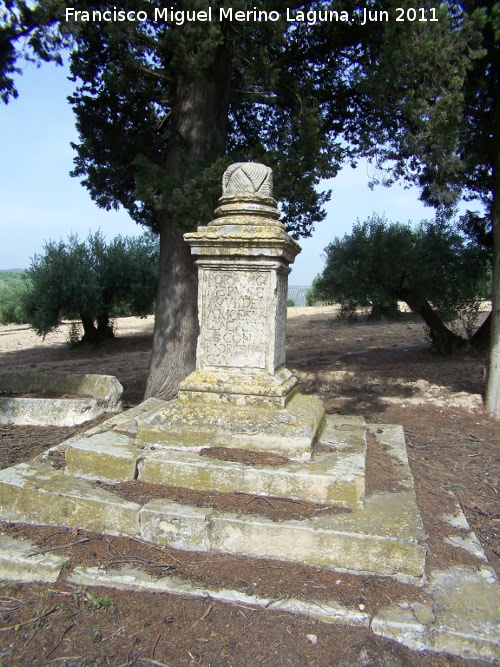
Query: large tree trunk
[
  {"x": 93, "y": 333},
  {"x": 481, "y": 339},
  {"x": 176, "y": 320},
  {"x": 443, "y": 340},
  {"x": 493, "y": 385},
  {"x": 199, "y": 119}
]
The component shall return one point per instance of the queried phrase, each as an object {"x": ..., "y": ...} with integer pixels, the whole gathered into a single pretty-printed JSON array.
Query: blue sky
[{"x": 39, "y": 201}]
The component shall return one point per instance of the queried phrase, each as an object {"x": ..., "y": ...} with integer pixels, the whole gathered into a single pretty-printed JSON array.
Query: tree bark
[
  {"x": 93, "y": 333},
  {"x": 493, "y": 382},
  {"x": 199, "y": 119},
  {"x": 176, "y": 321},
  {"x": 481, "y": 339},
  {"x": 89, "y": 329},
  {"x": 443, "y": 340}
]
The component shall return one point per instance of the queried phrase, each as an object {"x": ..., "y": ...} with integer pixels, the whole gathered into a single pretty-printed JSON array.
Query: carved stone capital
[{"x": 247, "y": 178}]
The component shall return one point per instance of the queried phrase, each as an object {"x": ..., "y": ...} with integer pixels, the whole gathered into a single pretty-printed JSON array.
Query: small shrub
[{"x": 74, "y": 335}]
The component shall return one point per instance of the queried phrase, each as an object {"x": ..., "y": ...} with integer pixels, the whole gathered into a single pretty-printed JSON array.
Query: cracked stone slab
[
  {"x": 466, "y": 603},
  {"x": 20, "y": 562},
  {"x": 462, "y": 617},
  {"x": 463, "y": 537}
]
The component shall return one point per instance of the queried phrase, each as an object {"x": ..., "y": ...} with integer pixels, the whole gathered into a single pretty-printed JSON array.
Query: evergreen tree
[
  {"x": 163, "y": 107},
  {"x": 91, "y": 281}
]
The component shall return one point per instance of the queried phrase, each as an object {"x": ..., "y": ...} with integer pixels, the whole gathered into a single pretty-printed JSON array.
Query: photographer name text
[{"x": 178, "y": 17}]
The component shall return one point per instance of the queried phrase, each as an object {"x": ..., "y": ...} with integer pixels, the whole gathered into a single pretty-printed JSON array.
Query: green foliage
[
  {"x": 281, "y": 91},
  {"x": 95, "y": 602},
  {"x": 312, "y": 294},
  {"x": 442, "y": 79},
  {"x": 381, "y": 263},
  {"x": 12, "y": 289},
  {"x": 91, "y": 281},
  {"x": 290, "y": 303}
]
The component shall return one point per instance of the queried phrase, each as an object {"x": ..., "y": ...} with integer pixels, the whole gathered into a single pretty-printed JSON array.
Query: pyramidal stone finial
[{"x": 247, "y": 178}]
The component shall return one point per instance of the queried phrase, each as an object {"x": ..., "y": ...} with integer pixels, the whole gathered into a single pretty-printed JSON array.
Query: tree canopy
[
  {"x": 92, "y": 281},
  {"x": 431, "y": 266},
  {"x": 163, "y": 106},
  {"x": 441, "y": 129}
]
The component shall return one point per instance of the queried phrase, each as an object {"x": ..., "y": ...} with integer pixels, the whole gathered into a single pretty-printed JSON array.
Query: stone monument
[
  {"x": 244, "y": 256},
  {"x": 241, "y": 393}
]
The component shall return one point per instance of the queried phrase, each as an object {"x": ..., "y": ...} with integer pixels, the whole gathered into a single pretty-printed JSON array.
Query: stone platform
[
  {"x": 453, "y": 610},
  {"x": 380, "y": 534},
  {"x": 291, "y": 431}
]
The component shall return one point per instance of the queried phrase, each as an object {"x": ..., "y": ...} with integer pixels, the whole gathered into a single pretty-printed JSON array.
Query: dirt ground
[{"x": 383, "y": 371}]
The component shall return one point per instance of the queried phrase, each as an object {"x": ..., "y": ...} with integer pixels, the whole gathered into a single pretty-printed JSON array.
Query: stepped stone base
[
  {"x": 381, "y": 534},
  {"x": 194, "y": 424}
]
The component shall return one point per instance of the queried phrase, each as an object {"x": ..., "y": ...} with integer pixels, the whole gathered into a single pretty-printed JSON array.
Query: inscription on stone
[
  {"x": 280, "y": 328},
  {"x": 236, "y": 303}
]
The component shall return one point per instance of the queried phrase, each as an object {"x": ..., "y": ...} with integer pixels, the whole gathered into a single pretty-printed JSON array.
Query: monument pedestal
[
  {"x": 241, "y": 394},
  {"x": 193, "y": 424}
]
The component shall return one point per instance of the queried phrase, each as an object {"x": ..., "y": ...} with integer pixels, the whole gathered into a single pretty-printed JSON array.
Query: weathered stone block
[
  {"x": 329, "y": 478},
  {"x": 20, "y": 562},
  {"x": 291, "y": 431},
  {"x": 180, "y": 526},
  {"x": 109, "y": 457},
  {"x": 32, "y": 493},
  {"x": 100, "y": 393},
  {"x": 360, "y": 542}
]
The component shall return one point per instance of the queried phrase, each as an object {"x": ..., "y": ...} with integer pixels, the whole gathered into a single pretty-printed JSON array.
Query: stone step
[
  {"x": 19, "y": 561},
  {"x": 192, "y": 425},
  {"x": 34, "y": 493},
  {"x": 385, "y": 538},
  {"x": 329, "y": 478}
]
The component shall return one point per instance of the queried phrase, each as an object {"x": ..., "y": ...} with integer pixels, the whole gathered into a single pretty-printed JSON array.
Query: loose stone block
[
  {"x": 99, "y": 394},
  {"x": 400, "y": 625}
]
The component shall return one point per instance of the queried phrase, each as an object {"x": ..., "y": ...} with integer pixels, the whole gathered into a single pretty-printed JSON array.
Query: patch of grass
[{"x": 95, "y": 602}]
